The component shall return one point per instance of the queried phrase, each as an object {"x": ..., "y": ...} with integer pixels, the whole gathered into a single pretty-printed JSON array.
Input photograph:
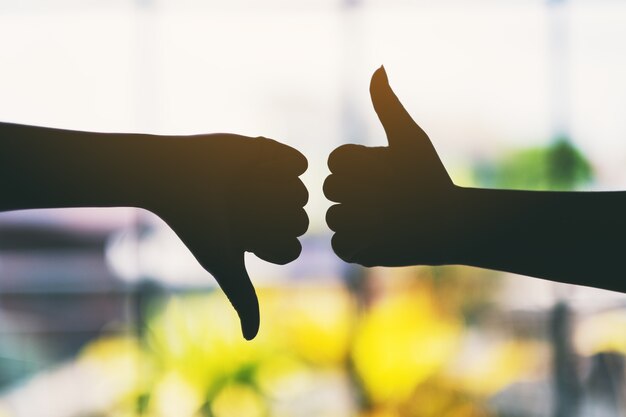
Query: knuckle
[
  {"x": 281, "y": 156},
  {"x": 328, "y": 184},
  {"x": 333, "y": 216},
  {"x": 302, "y": 222},
  {"x": 331, "y": 187},
  {"x": 280, "y": 253},
  {"x": 303, "y": 197},
  {"x": 290, "y": 252},
  {"x": 342, "y": 247},
  {"x": 288, "y": 223},
  {"x": 337, "y": 158},
  {"x": 302, "y": 161}
]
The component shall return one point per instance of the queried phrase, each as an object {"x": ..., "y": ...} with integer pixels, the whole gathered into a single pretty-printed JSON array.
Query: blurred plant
[
  {"x": 414, "y": 354},
  {"x": 320, "y": 322},
  {"x": 558, "y": 166},
  {"x": 401, "y": 341},
  {"x": 193, "y": 361},
  {"x": 409, "y": 350},
  {"x": 116, "y": 364},
  {"x": 202, "y": 361}
]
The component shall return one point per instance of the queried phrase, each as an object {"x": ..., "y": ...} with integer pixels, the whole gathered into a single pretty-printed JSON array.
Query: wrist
[
  {"x": 150, "y": 166},
  {"x": 443, "y": 229},
  {"x": 467, "y": 233},
  {"x": 174, "y": 167},
  {"x": 118, "y": 170}
]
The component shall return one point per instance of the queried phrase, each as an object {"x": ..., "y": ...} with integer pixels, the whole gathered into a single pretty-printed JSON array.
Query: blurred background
[{"x": 103, "y": 312}]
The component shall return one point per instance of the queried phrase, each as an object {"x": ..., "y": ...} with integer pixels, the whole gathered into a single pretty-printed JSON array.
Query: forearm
[
  {"x": 47, "y": 168},
  {"x": 573, "y": 237}
]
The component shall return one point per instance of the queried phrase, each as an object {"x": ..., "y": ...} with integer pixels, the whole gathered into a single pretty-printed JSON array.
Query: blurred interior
[{"x": 103, "y": 312}]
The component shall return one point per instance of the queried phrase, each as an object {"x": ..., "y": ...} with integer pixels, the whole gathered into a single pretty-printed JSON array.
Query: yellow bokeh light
[
  {"x": 238, "y": 401},
  {"x": 401, "y": 342},
  {"x": 320, "y": 324},
  {"x": 174, "y": 396},
  {"x": 500, "y": 365},
  {"x": 604, "y": 332}
]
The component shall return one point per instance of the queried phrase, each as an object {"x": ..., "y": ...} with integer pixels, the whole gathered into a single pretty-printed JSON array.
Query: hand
[
  {"x": 226, "y": 194},
  {"x": 398, "y": 204}
]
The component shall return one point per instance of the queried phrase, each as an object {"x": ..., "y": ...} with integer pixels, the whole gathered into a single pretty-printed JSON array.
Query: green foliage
[{"x": 558, "y": 166}]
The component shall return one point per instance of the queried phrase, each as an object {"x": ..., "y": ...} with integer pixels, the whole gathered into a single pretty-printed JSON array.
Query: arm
[
  {"x": 222, "y": 194},
  {"x": 573, "y": 237},
  {"x": 49, "y": 168},
  {"x": 400, "y": 207}
]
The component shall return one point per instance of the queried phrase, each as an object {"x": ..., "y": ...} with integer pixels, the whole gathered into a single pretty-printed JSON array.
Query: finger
[
  {"x": 298, "y": 192},
  {"x": 297, "y": 224},
  {"x": 278, "y": 156},
  {"x": 288, "y": 191},
  {"x": 352, "y": 158},
  {"x": 279, "y": 251},
  {"x": 346, "y": 247},
  {"x": 267, "y": 222},
  {"x": 364, "y": 252},
  {"x": 336, "y": 216},
  {"x": 399, "y": 126},
  {"x": 344, "y": 188},
  {"x": 232, "y": 277},
  {"x": 280, "y": 222},
  {"x": 268, "y": 201},
  {"x": 361, "y": 222},
  {"x": 334, "y": 187}
]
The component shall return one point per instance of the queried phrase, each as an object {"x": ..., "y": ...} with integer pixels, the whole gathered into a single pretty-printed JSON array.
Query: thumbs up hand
[
  {"x": 226, "y": 194},
  {"x": 398, "y": 206}
]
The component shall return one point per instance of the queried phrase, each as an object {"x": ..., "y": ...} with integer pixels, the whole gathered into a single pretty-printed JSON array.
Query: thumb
[
  {"x": 234, "y": 280},
  {"x": 400, "y": 128}
]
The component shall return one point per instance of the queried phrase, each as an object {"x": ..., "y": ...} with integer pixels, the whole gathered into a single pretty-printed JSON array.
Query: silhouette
[
  {"x": 222, "y": 194},
  {"x": 398, "y": 206}
]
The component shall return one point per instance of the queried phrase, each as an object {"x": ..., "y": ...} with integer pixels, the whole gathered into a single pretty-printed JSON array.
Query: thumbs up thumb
[{"x": 400, "y": 128}]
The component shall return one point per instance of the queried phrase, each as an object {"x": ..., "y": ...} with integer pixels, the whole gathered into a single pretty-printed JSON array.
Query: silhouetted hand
[
  {"x": 222, "y": 194},
  {"x": 225, "y": 194},
  {"x": 397, "y": 202},
  {"x": 400, "y": 207}
]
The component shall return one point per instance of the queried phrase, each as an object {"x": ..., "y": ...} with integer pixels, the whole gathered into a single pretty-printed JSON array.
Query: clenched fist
[{"x": 398, "y": 206}]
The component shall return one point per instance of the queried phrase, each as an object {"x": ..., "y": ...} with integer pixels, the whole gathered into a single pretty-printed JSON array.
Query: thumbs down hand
[
  {"x": 227, "y": 194},
  {"x": 398, "y": 206}
]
